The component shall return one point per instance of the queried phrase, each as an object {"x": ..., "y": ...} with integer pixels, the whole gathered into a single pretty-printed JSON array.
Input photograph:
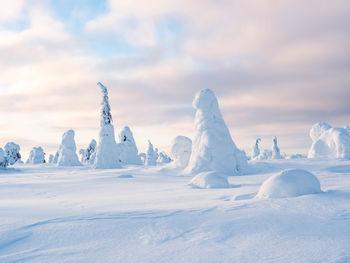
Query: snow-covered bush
[
  {"x": 36, "y": 156},
  {"x": 212, "y": 148},
  {"x": 276, "y": 154},
  {"x": 290, "y": 183},
  {"x": 163, "y": 158},
  {"x": 209, "y": 180},
  {"x": 129, "y": 151},
  {"x": 87, "y": 155},
  {"x": 181, "y": 150},
  {"x": 67, "y": 151},
  {"x": 256, "y": 150},
  {"x": 107, "y": 152},
  {"x": 329, "y": 142},
  {"x": 151, "y": 155}
]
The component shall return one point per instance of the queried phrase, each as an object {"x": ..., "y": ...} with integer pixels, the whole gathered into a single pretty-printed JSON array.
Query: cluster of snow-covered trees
[
  {"x": 274, "y": 153},
  {"x": 9, "y": 155}
]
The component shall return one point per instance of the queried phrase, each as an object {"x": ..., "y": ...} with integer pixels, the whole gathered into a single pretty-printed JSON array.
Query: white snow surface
[
  {"x": 213, "y": 148},
  {"x": 329, "y": 142},
  {"x": 67, "y": 155},
  {"x": 36, "y": 155},
  {"x": 290, "y": 183},
  {"x": 129, "y": 151},
  {"x": 181, "y": 148},
  {"x": 145, "y": 214}
]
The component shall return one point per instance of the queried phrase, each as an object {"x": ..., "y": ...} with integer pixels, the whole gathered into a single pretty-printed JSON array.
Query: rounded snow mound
[
  {"x": 209, "y": 180},
  {"x": 290, "y": 183}
]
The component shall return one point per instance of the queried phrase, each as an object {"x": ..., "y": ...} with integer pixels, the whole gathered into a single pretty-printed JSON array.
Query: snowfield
[{"x": 140, "y": 214}]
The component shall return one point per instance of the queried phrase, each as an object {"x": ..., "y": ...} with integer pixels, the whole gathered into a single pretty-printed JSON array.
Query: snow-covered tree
[
  {"x": 329, "y": 142},
  {"x": 87, "y": 155},
  {"x": 151, "y": 155},
  {"x": 36, "y": 156},
  {"x": 129, "y": 151},
  {"x": 163, "y": 158},
  {"x": 3, "y": 162},
  {"x": 51, "y": 157},
  {"x": 12, "y": 152},
  {"x": 275, "y": 149},
  {"x": 107, "y": 152},
  {"x": 213, "y": 148},
  {"x": 256, "y": 150},
  {"x": 55, "y": 158},
  {"x": 67, "y": 151},
  {"x": 181, "y": 150}
]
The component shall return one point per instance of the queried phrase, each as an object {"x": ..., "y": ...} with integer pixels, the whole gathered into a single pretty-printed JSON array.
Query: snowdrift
[
  {"x": 289, "y": 183},
  {"x": 329, "y": 142},
  {"x": 209, "y": 180}
]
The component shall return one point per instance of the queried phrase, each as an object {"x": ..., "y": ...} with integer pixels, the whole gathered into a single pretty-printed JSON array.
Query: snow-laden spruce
[
  {"x": 88, "y": 154},
  {"x": 151, "y": 155},
  {"x": 55, "y": 158},
  {"x": 256, "y": 150},
  {"x": 3, "y": 162},
  {"x": 181, "y": 150},
  {"x": 36, "y": 156},
  {"x": 329, "y": 142},
  {"x": 129, "y": 151},
  {"x": 276, "y": 154},
  {"x": 67, "y": 155},
  {"x": 213, "y": 149},
  {"x": 107, "y": 152},
  {"x": 51, "y": 158},
  {"x": 290, "y": 183}
]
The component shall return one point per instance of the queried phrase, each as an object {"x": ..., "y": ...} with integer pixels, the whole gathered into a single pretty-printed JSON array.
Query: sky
[{"x": 277, "y": 68}]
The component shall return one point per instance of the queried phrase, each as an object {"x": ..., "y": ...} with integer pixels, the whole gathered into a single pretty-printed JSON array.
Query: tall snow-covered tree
[
  {"x": 67, "y": 155},
  {"x": 256, "y": 149},
  {"x": 107, "y": 152},
  {"x": 276, "y": 154}
]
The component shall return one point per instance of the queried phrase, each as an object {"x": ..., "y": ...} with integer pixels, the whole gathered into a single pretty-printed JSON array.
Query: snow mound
[
  {"x": 289, "y": 183},
  {"x": 107, "y": 152},
  {"x": 329, "y": 142},
  {"x": 181, "y": 151},
  {"x": 209, "y": 179},
  {"x": 213, "y": 148},
  {"x": 36, "y": 156},
  {"x": 129, "y": 151},
  {"x": 67, "y": 151}
]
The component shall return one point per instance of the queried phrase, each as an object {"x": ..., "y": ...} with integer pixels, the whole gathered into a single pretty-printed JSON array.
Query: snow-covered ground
[{"x": 140, "y": 214}]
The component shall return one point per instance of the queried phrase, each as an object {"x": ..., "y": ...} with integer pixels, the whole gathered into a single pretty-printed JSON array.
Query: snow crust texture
[
  {"x": 290, "y": 183},
  {"x": 329, "y": 142}
]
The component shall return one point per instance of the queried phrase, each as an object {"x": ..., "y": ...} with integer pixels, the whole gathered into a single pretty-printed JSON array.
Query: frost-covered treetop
[
  {"x": 106, "y": 117},
  {"x": 206, "y": 101}
]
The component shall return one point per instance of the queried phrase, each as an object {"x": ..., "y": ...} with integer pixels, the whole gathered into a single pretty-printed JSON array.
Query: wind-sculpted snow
[
  {"x": 67, "y": 155},
  {"x": 329, "y": 142},
  {"x": 212, "y": 148},
  {"x": 290, "y": 183},
  {"x": 78, "y": 214}
]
